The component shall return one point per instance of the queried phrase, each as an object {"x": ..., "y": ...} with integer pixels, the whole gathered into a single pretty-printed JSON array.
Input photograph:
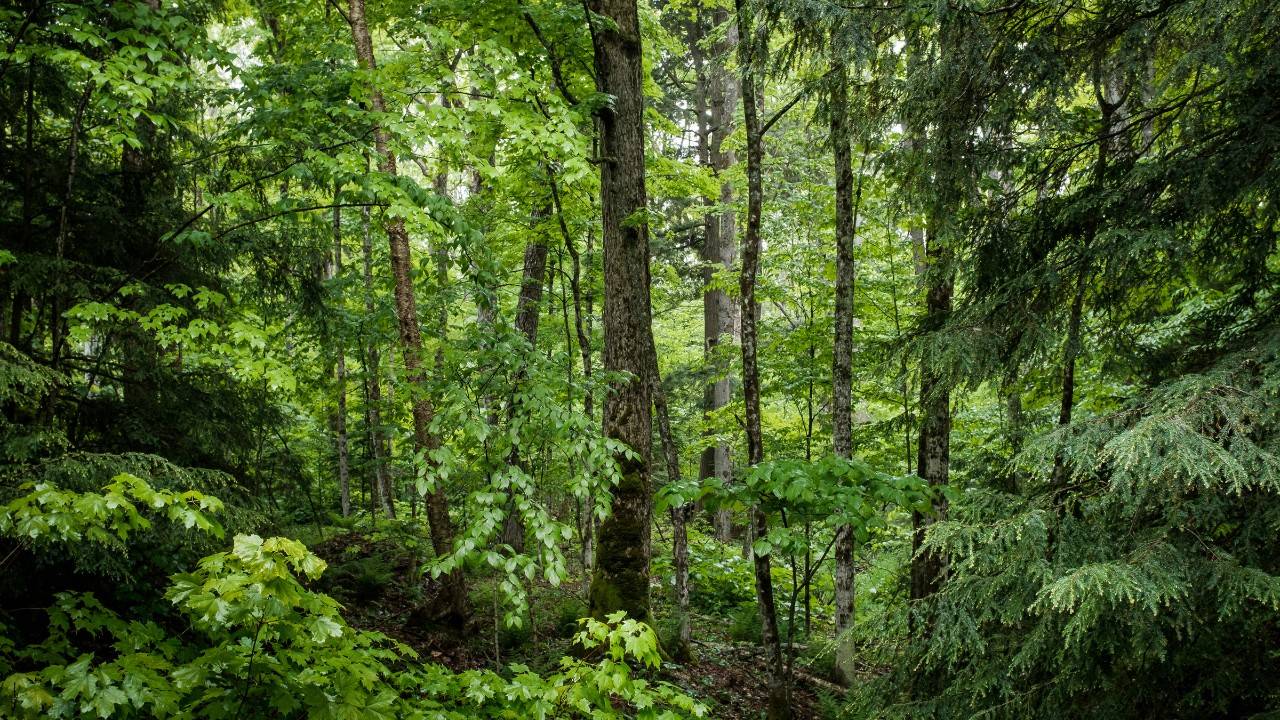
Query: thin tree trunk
[
  {"x": 779, "y": 701},
  {"x": 378, "y": 449},
  {"x": 683, "y": 649},
  {"x": 581, "y": 324},
  {"x": 720, "y": 314},
  {"x": 454, "y": 593},
  {"x": 1109, "y": 101},
  {"x": 621, "y": 577},
  {"x": 949, "y": 156},
  {"x": 60, "y": 243},
  {"x": 340, "y": 419},
  {"x": 842, "y": 352},
  {"x": 933, "y": 461},
  {"x": 527, "y": 306}
]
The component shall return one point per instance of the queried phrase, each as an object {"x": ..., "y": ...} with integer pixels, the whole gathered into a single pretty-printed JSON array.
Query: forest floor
[{"x": 382, "y": 590}]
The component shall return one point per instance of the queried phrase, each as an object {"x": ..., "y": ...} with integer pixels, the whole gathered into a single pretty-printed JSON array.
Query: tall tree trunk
[
  {"x": 779, "y": 701},
  {"x": 60, "y": 243},
  {"x": 340, "y": 417},
  {"x": 378, "y": 449},
  {"x": 582, "y": 330},
  {"x": 933, "y": 459},
  {"x": 949, "y": 158},
  {"x": 1109, "y": 101},
  {"x": 621, "y": 577},
  {"x": 454, "y": 593},
  {"x": 683, "y": 649},
  {"x": 527, "y": 306},
  {"x": 842, "y": 352},
  {"x": 719, "y": 92}
]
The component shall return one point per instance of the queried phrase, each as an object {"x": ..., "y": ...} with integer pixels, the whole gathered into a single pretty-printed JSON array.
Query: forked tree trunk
[
  {"x": 454, "y": 594},
  {"x": 621, "y": 577}
]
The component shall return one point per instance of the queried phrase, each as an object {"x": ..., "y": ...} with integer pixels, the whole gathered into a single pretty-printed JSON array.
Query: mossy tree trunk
[{"x": 620, "y": 580}]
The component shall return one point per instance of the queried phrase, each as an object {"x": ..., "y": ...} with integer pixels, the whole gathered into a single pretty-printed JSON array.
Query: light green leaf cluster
[{"x": 47, "y": 513}]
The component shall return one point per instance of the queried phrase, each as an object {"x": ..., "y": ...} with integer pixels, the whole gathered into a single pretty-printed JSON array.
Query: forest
[{"x": 640, "y": 359}]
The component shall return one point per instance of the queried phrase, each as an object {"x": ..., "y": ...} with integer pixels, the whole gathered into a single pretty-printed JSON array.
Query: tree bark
[
  {"x": 378, "y": 449},
  {"x": 1109, "y": 102},
  {"x": 948, "y": 160},
  {"x": 60, "y": 241},
  {"x": 842, "y": 352},
  {"x": 527, "y": 306},
  {"x": 454, "y": 595},
  {"x": 340, "y": 417},
  {"x": 683, "y": 649},
  {"x": 779, "y": 700},
  {"x": 582, "y": 330},
  {"x": 621, "y": 577},
  {"x": 720, "y": 315}
]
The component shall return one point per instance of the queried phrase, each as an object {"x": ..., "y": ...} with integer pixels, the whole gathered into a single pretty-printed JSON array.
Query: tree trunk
[
  {"x": 719, "y": 93},
  {"x": 340, "y": 417},
  {"x": 582, "y": 330},
  {"x": 60, "y": 243},
  {"x": 621, "y": 577},
  {"x": 779, "y": 701},
  {"x": 378, "y": 449},
  {"x": 527, "y": 307},
  {"x": 842, "y": 353},
  {"x": 933, "y": 460},
  {"x": 1109, "y": 101},
  {"x": 683, "y": 649},
  {"x": 949, "y": 155},
  {"x": 454, "y": 593}
]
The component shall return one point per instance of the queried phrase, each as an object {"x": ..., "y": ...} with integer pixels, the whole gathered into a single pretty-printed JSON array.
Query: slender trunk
[
  {"x": 720, "y": 316},
  {"x": 378, "y": 449},
  {"x": 842, "y": 352},
  {"x": 60, "y": 242},
  {"x": 527, "y": 307},
  {"x": 1109, "y": 101},
  {"x": 949, "y": 155},
  {"x": 454, "y": 594},
  {"x": 1072, "y": 351},
  {"x": 581, "y": 324},
  {"x": 340, "y": 419},
  {"x": 683, "y": 650},
  {"x": 779, "y": 701},
  {"x": 933, "y": 461},
  {"x": 621, "y": 577}
]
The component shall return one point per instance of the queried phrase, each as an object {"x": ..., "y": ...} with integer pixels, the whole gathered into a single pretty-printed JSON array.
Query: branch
[
  {"x": 556, "y": 72},
  {"x": 290, "y": 211}
]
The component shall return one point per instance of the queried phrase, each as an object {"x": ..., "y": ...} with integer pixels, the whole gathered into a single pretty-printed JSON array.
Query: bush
[{"x": 259, "y": 643}]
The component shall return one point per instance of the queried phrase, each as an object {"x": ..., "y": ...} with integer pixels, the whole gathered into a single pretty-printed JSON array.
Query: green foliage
[
  {"x": 265, "y": 644},
  {"x": 49, "y": 514}
]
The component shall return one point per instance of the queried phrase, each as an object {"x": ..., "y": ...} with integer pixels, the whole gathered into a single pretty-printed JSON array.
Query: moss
[{"x": 621, "y": 578}]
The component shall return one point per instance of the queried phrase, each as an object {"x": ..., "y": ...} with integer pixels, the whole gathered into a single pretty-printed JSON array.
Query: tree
[
  {"x": 842, "y": 353},
  {"x": 455, "y": 602},
  {"x": 620, "y": 580},
  {"x": 754, "y": 42},
  {"x": 718, "y": 91}
]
